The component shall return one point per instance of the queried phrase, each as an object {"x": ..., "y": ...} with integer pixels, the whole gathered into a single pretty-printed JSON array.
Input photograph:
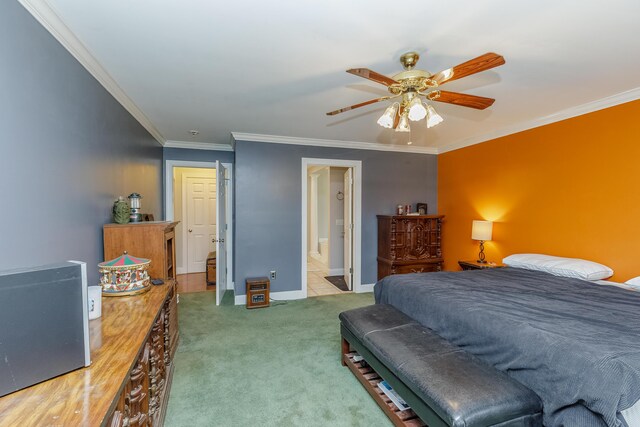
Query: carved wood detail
[
  {"x": 143, "y": 400},
  {"x": 117, "y": 419},
  {"x": 157, "y": 372}
]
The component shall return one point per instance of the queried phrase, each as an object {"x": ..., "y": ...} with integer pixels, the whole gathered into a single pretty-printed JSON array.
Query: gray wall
[
  {"x": 67, "y": 148},
  {"x": 268, "y": 197}
]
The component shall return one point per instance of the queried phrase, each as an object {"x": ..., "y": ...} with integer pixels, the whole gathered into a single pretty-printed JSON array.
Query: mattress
[
  {"x": 631, "y": 415},
  {"x": 572, "y": 342}
]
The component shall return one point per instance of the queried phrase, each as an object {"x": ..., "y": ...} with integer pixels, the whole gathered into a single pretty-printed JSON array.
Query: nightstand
[{"x": 475, "y": 265}]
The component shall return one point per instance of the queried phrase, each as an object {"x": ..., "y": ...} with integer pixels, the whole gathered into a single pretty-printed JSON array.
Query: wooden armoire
[{"x": 409, "y": 244}]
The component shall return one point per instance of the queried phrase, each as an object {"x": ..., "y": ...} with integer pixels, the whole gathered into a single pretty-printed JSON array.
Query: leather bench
[{"x": 443, "y": 384}]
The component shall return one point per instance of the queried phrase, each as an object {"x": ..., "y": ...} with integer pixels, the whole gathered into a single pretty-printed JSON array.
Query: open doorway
[
  {"x": 194, "y": 205},
  {"x": 331, "y": 246},
  {"x": 198, "y": 195}
]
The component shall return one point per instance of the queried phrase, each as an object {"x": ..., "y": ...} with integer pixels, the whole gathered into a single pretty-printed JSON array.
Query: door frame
[
  {"x": 348, "y": 231},
  {"x": 169, "y": 214},
  {"x": 356, "y": 165}
]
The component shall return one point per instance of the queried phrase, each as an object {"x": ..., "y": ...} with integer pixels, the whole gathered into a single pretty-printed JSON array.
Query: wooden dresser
[
  {"x": 127, "y": 384},
  {"x": 409, "y": 244},
  {"x": 153, "y": 240}
]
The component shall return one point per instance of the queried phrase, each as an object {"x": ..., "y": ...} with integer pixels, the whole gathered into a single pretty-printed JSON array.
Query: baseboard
[
  {"x": 336, "y": 272},
  {"x": 368, "y": 287},
  {"x": 276, "y": 296},
  {"x": 181, "y": 270}
]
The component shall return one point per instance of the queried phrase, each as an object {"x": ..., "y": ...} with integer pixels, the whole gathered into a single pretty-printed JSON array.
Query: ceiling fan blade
[
  {"x": 481, "y": 63},
  {"x": 353, "y": 107},
  {"x": 472, "y": 101},
  {"x": 372, "y": 75}
]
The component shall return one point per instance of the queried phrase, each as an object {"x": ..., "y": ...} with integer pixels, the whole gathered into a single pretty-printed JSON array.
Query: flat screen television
[{"x": 44, "y": 324}]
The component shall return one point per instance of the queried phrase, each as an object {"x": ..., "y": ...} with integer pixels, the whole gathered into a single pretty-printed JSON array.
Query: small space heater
[{"x": 258, "y": 292}]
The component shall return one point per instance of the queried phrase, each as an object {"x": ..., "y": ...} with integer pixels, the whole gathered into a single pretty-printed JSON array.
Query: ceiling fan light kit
[{"x": 412, "y": 85}]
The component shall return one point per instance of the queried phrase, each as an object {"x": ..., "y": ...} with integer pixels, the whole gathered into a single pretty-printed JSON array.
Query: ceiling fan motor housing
[
  {"x": 411, "y": 80},
  {"x": 409, "y": 60}
]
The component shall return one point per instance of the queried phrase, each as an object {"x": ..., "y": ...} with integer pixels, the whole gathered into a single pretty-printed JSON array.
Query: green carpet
[{"x": 276, "y": 366}]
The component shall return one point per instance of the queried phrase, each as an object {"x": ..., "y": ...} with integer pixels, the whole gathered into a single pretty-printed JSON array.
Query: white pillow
[
  {"x": 634, "y": 283},
  {"x": 617, "y": 285},
  {"x": 558, "y": 266}
]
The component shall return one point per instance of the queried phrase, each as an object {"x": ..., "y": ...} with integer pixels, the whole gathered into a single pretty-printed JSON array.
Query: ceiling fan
[{"x": 411, "y": 85}]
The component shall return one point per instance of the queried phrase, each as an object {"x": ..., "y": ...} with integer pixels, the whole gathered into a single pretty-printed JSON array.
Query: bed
[{"x": 575, "y": 343}]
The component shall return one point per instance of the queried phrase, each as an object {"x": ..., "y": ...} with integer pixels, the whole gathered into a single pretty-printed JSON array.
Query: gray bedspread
[{"x": 576, "y": 344}]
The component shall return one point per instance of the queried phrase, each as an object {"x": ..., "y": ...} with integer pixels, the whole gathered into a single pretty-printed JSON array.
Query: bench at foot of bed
[{"x": 444, "y": 385}]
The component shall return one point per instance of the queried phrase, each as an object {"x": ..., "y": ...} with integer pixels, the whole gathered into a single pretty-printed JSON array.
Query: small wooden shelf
[{"x": 370, "y": 379}]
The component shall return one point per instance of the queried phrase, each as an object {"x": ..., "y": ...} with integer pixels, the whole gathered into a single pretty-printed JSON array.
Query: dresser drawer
[{"x": 416, "y": 268}]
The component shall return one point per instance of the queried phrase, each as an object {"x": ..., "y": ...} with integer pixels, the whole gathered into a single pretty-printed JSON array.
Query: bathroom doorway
[{"x": 329, "y": 227}]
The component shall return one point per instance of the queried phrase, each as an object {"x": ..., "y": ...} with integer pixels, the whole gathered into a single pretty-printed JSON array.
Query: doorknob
[{"x": 190, "y": 230}]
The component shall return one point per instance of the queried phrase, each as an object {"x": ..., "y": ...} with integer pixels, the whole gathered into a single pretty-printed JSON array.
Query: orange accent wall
[{"x": 570, "y": 188}]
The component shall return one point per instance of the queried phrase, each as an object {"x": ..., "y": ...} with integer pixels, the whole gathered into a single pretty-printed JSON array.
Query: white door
[
  {"x": 201, "y": 221},
  {"x": 348, "y": 227},
  {"x": 221, "y": 233}
]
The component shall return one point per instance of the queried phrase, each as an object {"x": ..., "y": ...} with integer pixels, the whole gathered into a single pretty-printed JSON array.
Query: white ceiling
[{"x": 276, "y": 67}]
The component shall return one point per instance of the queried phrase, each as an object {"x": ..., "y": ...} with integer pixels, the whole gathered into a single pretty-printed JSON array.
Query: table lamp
[{"x": 481, "y": 230}]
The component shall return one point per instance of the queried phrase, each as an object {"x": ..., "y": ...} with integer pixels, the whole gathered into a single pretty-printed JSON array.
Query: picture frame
[{"x": 421, "y": 208}]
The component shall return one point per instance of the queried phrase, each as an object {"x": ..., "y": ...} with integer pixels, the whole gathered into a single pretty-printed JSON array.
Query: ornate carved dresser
[{"x": 409, "y": 244}]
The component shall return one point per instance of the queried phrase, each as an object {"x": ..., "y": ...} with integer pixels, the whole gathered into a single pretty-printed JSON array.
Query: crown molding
[
  {"x": 578, "y": 110},
  {"x": 274, "y": 139},
  {"x": 50, "y": 20},
  {"x": 193, "y": 145}
]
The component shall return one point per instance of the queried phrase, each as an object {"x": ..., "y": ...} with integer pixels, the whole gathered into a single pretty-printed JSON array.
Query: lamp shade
[
  {"x": 416, "y": 109},
  {"x": 481, "y": 230},
  {"x": 388, "y": 118},
  {"x": 433, "y": 118}
]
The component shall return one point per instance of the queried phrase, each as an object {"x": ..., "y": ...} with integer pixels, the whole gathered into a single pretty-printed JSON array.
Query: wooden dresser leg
[{"x": 344, "y": 350}]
